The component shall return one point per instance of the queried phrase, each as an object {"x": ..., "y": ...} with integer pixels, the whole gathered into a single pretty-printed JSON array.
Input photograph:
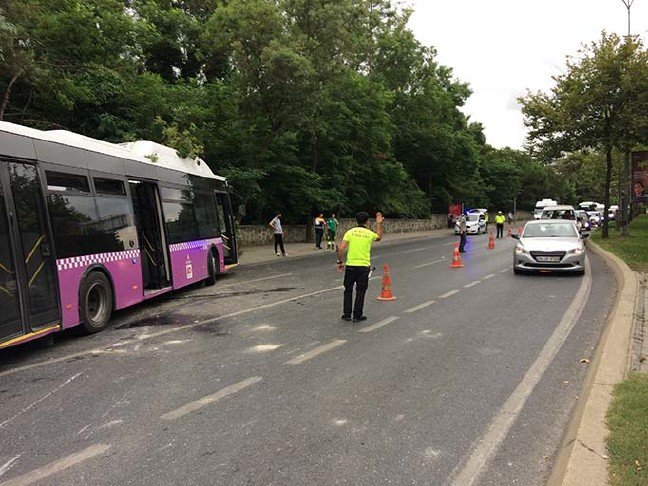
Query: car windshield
[
  {"x": 473, "y": 217},
  {"x": 549, "y": 230}
]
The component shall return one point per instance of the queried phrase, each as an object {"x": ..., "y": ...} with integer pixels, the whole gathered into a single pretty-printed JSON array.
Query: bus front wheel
[{"x": 96, "y": 302}]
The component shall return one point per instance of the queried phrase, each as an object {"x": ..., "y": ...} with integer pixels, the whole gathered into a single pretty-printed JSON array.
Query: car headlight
[
  {"x": 520, "y": 250},
  {"x": 579, "y": 250}
]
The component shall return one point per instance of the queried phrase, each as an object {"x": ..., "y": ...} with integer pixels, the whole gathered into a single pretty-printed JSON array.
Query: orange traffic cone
[
  {"x": 491, "y": 241},
  {"x": 386, "y": 292},
  {"x": 456, "y": 257}
]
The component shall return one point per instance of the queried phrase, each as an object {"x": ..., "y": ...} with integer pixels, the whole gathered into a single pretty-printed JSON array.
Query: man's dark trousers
[
  {"x": 500, "y": 230},
  {"x": 360, "y": 277},
  {"x": 462, "y": 242},
  {"x": 278, "y": 242}
]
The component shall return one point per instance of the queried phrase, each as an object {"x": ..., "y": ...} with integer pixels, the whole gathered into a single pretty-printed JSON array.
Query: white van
[{"x": 540, "y": 205}]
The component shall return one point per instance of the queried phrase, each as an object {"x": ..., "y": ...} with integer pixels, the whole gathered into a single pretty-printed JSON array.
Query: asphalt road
[{"x": 470, "y": 376}]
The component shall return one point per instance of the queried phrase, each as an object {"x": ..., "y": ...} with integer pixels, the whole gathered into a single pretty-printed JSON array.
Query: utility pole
[{"x": 628, "y": 6}]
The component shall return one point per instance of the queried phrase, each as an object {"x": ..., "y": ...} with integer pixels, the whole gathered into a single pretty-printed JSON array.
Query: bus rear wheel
[
  {"x": 96, "y": 302},
  {"x": 213, "y": 267}
]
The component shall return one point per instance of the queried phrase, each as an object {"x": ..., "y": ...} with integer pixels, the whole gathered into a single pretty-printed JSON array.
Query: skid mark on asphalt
[
  {"x": 316, "y": 352},
  {"x": 484, "y": 449},
  {"x": 209, "y": 399},
  {"x": 58, "y": 466},
  {"x": 380, "y": 324},
  {"x": 33, "y": 404}
]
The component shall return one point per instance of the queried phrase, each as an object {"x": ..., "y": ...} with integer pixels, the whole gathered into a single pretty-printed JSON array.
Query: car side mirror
[{"x": 515, "y": 237}]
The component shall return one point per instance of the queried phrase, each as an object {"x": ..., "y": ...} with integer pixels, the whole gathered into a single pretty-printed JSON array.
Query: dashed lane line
[
  {"x": 430, "y": 263},
  {"x": 489, "y": 276},
  {"x": 504, "y": 270},
  {"x": 380, "y": 324},
  {"x": 448, "y": 294},
  {"x": 414, "y": 251},
  {"x": 57, "y": 466},
  {"x": 420, "y": 306},
  {"x": 472, "y": 284},
  {"x": 209, "y": 399},
  {"x": 316, "y": 352}
]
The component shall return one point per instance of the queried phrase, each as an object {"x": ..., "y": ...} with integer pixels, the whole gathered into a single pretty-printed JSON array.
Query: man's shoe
[
  {"x": 359, "y": 319},
  {"x": 345, "y": 317},
  {"x": 278, "y": 253}
]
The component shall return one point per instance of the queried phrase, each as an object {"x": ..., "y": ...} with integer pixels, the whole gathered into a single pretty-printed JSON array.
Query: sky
[{"x": 503, "y": 48}]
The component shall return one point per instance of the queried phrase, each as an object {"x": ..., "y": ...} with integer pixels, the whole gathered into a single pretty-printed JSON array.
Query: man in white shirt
[{"x": 275, "y": 224}]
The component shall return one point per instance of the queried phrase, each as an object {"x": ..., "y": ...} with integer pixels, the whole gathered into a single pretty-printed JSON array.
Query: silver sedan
[{"x": 550, "y": 245}]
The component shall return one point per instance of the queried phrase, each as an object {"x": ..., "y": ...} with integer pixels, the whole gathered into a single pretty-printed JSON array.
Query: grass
[
  {"x": 633, "y": 249},
  {"x": 627, "y": 443}
]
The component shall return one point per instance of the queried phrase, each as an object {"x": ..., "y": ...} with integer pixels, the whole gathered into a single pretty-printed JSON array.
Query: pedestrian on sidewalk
[
  {"x": 499, "y": 222},
  {"x": 332, "y": 226},
  {"x": 275, "y": 224},
  {"x": 357, "y": 244},
  {"x": 462, "y": 233},
  {"x": 509, "y": 216},
  {"x": 320, "y": 222}
]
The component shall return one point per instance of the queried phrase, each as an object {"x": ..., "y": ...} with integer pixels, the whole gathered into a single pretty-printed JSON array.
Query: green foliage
[{"x": 326, "y": 105}]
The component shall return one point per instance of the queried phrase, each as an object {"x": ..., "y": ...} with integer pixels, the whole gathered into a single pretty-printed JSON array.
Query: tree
[{"x": 599, "y": 103}]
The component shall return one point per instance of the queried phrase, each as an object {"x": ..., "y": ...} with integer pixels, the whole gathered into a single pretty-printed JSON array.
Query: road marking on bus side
[
  {"x": 472, "y": 284},
  {"x": 58, "y": 466},
  {"x": 420, "y": 306},
  {"x": 316, "y": 352},
  {"x": 414, "y": 251},
  {"x": 209, "y": 399},
  {"x": 485, "y": 448},
  {"x": 430, "y": 263},
  {"x": 380, "y": 324},
  {"x": 448, "y": 294}
]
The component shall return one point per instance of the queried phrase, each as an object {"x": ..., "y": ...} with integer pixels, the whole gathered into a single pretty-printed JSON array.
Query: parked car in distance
[
  {"x": 582, "y": 220},
  {"x": 475, "y": 224},
  {"x": 550, "y": 245},
  {"x": 595, "y": 218},
  {"x": 559, "y": 212}
]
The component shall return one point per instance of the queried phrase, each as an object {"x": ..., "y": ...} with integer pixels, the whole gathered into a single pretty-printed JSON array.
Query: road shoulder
[{"x": 583, "y": 458}]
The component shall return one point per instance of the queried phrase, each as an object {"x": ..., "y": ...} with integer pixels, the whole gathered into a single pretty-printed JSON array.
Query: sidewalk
[{"x": 251, "y": 255}]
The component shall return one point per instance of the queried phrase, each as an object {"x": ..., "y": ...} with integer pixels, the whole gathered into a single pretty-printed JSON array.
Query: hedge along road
[{"x": 283, "y": 391}]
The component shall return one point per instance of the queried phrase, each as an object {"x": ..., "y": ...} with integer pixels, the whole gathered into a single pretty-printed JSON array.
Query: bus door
[
  {"x": 28, "y": 291},
  {"x": 152, "y": 243},
  {"x": 226, "y": 222}
]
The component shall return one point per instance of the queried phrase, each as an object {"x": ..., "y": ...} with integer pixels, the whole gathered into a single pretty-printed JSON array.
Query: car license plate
[{"x": 549, "y": 259}]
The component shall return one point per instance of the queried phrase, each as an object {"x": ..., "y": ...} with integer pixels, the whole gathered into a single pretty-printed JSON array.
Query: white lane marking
[
  {"x": 430, "y": 263},
  {"x": 375, "y": 277},
  {"x": 414, "y": 251},
  {"x": 504, "y": 270},
  {"x": 472, "y": 284},
  {"x": 260, "y": 348},
  {"x": 380, "y": 324},
  {"x": 488, "y": 445},
  {"x": 7, "y": 465},
  {"x": 489, "y": 276},
  {"x": 448, "y": 294},
  {"x": 144, "y": 337},
  {"x": 219, "y": 395},
  {"x": 263, "y": 279},
  {"x": 33, "y": 404},
  {"x": 58, "y": 466},
  {"x": 420, "y": 306},
  {"x": 316, "y": 352}
]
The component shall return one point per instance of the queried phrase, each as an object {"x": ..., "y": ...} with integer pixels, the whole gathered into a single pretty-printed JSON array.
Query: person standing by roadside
[
  {"x": 332, "y": 226},
  {"x": 320, "y": 222},
  {"x": 462, "y": 233},
  {"x": 486, "y": 218},
  {"x": 275, "y": 224},
  {"x": 499, "y": 222},
  {"x": 357, "y": 243},
  {"x": 509, "y": 216}
]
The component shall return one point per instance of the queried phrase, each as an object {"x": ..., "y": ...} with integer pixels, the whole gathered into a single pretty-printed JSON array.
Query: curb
[{"x": 582, "y": 458}]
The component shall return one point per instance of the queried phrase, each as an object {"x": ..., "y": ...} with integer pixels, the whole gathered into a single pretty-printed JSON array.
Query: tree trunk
[
  {"x": 7, "y": 94},
  {"x": 627, "y": 187},
  {"x": 608, "y": 181}
]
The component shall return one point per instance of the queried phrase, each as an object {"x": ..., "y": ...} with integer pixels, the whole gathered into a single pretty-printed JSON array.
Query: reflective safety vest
[{"x": 500, "y": 219}]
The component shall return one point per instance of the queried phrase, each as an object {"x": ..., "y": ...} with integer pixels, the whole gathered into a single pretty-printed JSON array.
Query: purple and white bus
[{"x": 87, "y": 227}]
